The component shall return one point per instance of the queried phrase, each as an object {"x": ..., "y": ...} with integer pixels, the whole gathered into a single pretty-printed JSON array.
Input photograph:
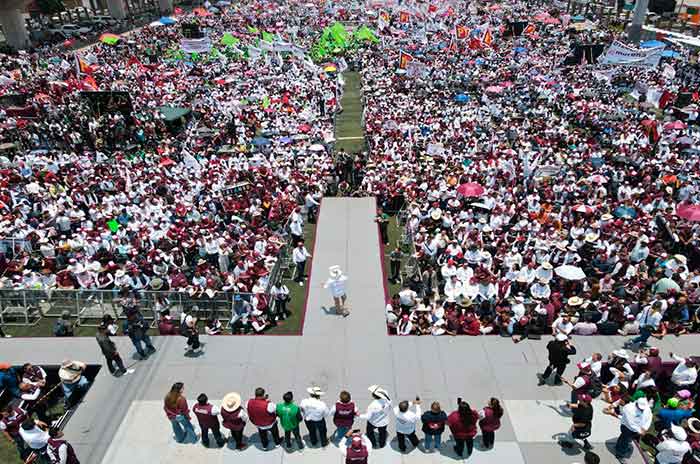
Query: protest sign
[{"x": 202, "y": 45}]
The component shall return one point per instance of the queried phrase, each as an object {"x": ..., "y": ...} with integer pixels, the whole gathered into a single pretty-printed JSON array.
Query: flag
[
  {"x": 487, "y": 38},
  {"x": 404, "y": 59},
  {"x": 461, "y": 32},
  {"x": 474, "y": 43},
  {"x": 432, "y": 8},
  {"x": 82, "y": 66},
  {"x": 89, "y": 83},
  {"x": 133, "y": 60},
  {"x": 383, "y": 21},
  {"x": 530, "y": 29},
  {"x": 177, "y": 10},
  {"x": 404, "y": 17}
]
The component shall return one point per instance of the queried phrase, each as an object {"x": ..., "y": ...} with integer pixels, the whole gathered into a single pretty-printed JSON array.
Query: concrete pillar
[
  {"x": 634, "y": 32},
  {"x": 14, "y": 27},
  {"x": 166, "y": 6},
  {"x": 117, "y": 8}
]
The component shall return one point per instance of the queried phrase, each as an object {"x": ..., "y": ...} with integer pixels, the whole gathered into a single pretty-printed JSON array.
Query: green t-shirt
[{"x": 289, "y": 415}]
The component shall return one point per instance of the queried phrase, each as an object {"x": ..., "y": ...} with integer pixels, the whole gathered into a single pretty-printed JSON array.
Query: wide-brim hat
[
  {"x": 547, "y": 265},
  {"x": 378, "y": 391},
  {"x": 679, "y": 433},
  {"x": 561, "y": 337},
  {"x": 119, "y": 273},
  {"x": 591, "y": 238},
  {"x": 694, "y": 424},
  {"x": 69, "y": 375},
  {"x": 621, "y": 354},
  {"x": 231, "y": 402},
  {"x": 574, "y": 301},
  {"x": 315, "y": 391},
  {"x": 335, "y": 271},
  {"x": 436, "y": 214},
  {"x": 157, "y": 283}
]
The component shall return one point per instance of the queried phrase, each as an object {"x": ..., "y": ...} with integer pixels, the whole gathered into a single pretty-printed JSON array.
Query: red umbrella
[
  {"x": 470, "y": 189},
  {"x": 675, "y": 125},
  {"x": 648, "y": 122},
  {"x": 165, "y": 161},
  {"x": 689, "y": 212},
  {"x": 585, "y": 209}
]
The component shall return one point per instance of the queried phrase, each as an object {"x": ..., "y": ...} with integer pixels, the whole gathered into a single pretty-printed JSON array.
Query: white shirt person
[{"x": 337, "y": 284}]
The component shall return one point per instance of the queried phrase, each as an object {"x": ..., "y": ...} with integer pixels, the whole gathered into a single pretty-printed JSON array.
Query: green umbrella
[
  {"x": 109, "y": 39},
  {"x": 113, "y": 225}
]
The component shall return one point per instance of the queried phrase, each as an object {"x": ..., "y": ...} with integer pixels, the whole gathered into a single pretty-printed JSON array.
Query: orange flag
[
  {"x": 404, "y": 59},
  {"x": 487, "y": 38},
  {"x": 461, "y": 32}
]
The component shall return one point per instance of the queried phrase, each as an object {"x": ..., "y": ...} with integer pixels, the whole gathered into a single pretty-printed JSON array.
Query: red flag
[
  {"x": 432, "y": 8},
  {"x": 83, "y": 66},
  {"x": 530, "y": 29},
  {"x": 404, "y": 17},
  {"x": 461, "y": 32},
  {"x": 474, "y": 43},
  {"x": 133, "y": 60},
  {"x": 177, "y": 10},
  {"x": 487, "y": 38},
  {"x": 89, "y": 83},
  {"x": 404, "y": 59}
]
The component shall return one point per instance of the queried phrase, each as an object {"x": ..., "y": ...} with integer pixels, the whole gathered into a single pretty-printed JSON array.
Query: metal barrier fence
[{"x": 87, "y": 307}]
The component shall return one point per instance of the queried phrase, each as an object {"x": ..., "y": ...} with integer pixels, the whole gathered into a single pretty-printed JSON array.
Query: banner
[
  {"x": 191, "y": 31},
  {"x": 202, "y": 45},
  {"x": 619, "y": 53},
  {"x": 109, "y": 102}
]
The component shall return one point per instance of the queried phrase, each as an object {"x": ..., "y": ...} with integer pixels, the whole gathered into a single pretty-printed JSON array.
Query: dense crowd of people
[{"x": 537, "y": 197}]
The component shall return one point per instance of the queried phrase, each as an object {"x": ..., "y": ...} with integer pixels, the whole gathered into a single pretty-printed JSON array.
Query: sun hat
[
  {"x": 574, "y": 301},
  {"x": 621, "y": 354},
  {"x": 436, "y": 214},
  {"x": 335, "y": 271},
  {"x": 231, "y": 402},
  {"x": 561, "y": 337},
  {"x": 694, "y": 424},
  {"x": 679, "y": 433},
  {"x": 376, "y": 390},
  {"x": 157, "y": 283},
  {"x": 315, "y": 391},
  {"x": 68, "y": 372}
]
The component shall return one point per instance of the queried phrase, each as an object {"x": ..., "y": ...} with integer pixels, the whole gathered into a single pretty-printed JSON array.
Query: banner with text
[{"x": 619, "y": 53}]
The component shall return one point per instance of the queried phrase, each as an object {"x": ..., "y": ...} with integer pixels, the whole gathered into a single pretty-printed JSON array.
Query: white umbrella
[
  {"x": 569, "y": 272},
  {"x": 156, "y": 24},
  {"x": 316, "y": 147}
]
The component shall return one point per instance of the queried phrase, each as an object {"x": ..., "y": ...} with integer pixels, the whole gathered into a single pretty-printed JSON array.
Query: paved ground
[{"x": 121, "y": 420}]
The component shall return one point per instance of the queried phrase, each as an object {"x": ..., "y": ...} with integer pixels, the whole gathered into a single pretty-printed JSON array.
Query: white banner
[
  {"x": 202, "y": 45},
  {"x": 619, "y": 53}
]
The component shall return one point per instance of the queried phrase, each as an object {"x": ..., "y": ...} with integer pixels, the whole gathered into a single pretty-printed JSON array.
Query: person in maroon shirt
[
  {"x": 490, "y": 421},
  {"x": 177, "y": 411},
  {"x": 462, "y": 423}
]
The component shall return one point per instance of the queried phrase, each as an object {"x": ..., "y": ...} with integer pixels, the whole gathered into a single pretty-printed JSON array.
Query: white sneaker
[{"x": 301, "y": 284}]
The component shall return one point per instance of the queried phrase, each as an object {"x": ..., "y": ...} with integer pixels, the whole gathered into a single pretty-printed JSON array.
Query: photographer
[
  {"x": 136, "y": 328},
  {"x": 356, "y": 447},
  {"x": 559, "y": 351}
]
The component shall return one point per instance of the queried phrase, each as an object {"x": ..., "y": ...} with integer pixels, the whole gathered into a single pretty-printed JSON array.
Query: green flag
[
  {"x": 267, "y": 37},
  {"x": 194, "y": 56},
  {"x": 113, "y": 225},
  {"x": 365, "y": 33},
  {"x": 228, "y": 39},
  {"x": 265, "y": 102},
  {"x": 253, "y": 30}
]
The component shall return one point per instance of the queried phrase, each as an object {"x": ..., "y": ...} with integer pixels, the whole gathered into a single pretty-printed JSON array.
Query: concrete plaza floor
[{"x": 121, "y": 420}]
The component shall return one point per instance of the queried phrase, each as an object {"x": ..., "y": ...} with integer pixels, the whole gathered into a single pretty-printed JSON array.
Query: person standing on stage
[
  {"x": 299, "y": 256},
  {"x": 377, "y": 416},
  {"x": 559, "y": 351},
  {"x": 490, "y": 421},
  {"x": 406, "y": 421},
  {"x": 315, "y": 412},
  {"x": 343, "y": 414},
  {"x": 109, "y": 349},
  {"x": 262, "y": 414},
  {"x": 290, "y": 418},
  {"x": 582, "y": 419},
  {"x": 337, "y": 283},
  {"x": 462, "y": 423},
  {"x": 206, "y": 414},
  {"x": 234, "y": 417}
]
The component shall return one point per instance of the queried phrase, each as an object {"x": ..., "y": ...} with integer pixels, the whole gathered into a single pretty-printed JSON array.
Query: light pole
[{"x": 634, "y": 32}]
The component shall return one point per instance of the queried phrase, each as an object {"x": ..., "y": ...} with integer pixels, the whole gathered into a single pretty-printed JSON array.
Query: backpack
[
  {"x": 59, "y": 330},
  {"x": 596, "y": 387}
]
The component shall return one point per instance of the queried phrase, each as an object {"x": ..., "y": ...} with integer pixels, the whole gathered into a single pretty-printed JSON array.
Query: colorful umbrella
[
  {"x": 585, "y": 209},
  {"x": 330, "y": 68},
  {"x": 625, "y": 212},
  {"x": 109, "y": 39},
  {"x": 688, "y": 212},
  {"x": 598, "y": 179},
  {"x": 470, "y": 189},
  {"x": 167, "y": 20}
]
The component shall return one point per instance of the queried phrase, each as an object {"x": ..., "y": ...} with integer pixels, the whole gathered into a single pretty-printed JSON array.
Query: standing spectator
[
  {"x": 262, "y": 414},
  {"x": 377, "y": 416},
  {"x": 35, "y": 435},
  {"x": 234, "y": 417},
  {"x": 206, "y": 415},
  {"x": 434, "y": 425},
  {"x": 649, "y": 321},
  {"x": 462, "y": 424},
  {"x": 63, "y": 327},
  {"x": 136, "y": 328},
  {"x": 315, "y": 412},
  {"x": 11, "y": 418},
  {"x": 673, "y": 447},
  {"x": 10, "y": 379},
  {"x": 73, "y": 381},
  {"x": 290, "y": 417},
  {"x": 383, "y": 220},
  {"x": 685, "y": 373},
  {"x": 490, "y": 421},
  {"x": 59, "y": 450},
  {"x": 109, "y": 349},
  {"x": 559, "y": 351},
  {"x": 299, "y": 256},
  {"x": 635, "y": 420},
  {"x": 338, "y": 287},
  {"x": 355, "y": 447},
  {"x": 188, "y": 329},
  {"x": 177, "y": 411},
  {"x": 582, "y": 419},
  {"x": 395, "y": 265},
  {"x": 280, "y": 293},
  {"x": 406, "y": 421},
  {"x": 343, "y": 413}
]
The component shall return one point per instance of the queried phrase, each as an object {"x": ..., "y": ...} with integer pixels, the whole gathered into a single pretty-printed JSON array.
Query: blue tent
[
  {"x": 625, "y": 212},
  {"x": 651, "y": 44},
  {"x": 520, "y": 49},
  {"x": 461, "y": 98},
  {"x": 165, "y": 20}
]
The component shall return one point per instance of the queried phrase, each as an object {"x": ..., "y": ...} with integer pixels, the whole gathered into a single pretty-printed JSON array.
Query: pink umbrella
[
  {"x": 675, "y": 125},
  {"x": 598, "y": 179},
  {"x": 585, "y": 209},
  {"x": 551, "y": 20},
  {"x": 470, "y": 189},
  {"x": 689, "y": 212},
  {"x": 494, "y": 89},
  {"x": 541, "y": 16}
]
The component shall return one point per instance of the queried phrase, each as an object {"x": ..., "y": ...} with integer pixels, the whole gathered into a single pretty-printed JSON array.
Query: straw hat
[
  {"x": 436, "y": 214},
  {"x": 68, "y": 372},
  {"x": 591, "y": 238},
  {"x": 335, "y": 271},
  {"x": 315, "y": 391},
  {"x": 157, "y": 283},
  {"x": 378, "y": 391},
  {"x": 574, "y": 301},
  {"x": 231, "y": 402},
  {"x": 621, "y": 354}
]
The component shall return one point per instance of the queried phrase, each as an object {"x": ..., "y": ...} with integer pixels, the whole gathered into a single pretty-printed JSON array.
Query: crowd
[
  {"x": 26, "y": 420},
  {"x": 101, "y": 200},
  {"x": 267, "y": 417},
  {"x": 537, "y": 197},
  {"x": 654, "y": 399}
]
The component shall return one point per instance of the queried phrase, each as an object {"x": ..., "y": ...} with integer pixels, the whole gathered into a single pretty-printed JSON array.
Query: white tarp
[
  {"x": 202, "y": 45},
  {"x": 619, "y": 53}
]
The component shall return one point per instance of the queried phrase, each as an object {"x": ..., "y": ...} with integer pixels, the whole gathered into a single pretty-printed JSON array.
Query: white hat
[
  {"x": 315, "y": 391},
  {"x": 335, "y": 271},
  {"x": 592, "y": 237},
  {"x": 679, "y": 433},
  {"x": 436, "y": 214},
  {"x": 574, "y": 301},
  {"x": 119, "y": 273},
  {"x": 621, "y": 354},
  {"x": 231, "y": 402},
  {"x": 378, "y": 391},
  {"x": 547, "y": 265},
  {"x": 561, "y": 337}
]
